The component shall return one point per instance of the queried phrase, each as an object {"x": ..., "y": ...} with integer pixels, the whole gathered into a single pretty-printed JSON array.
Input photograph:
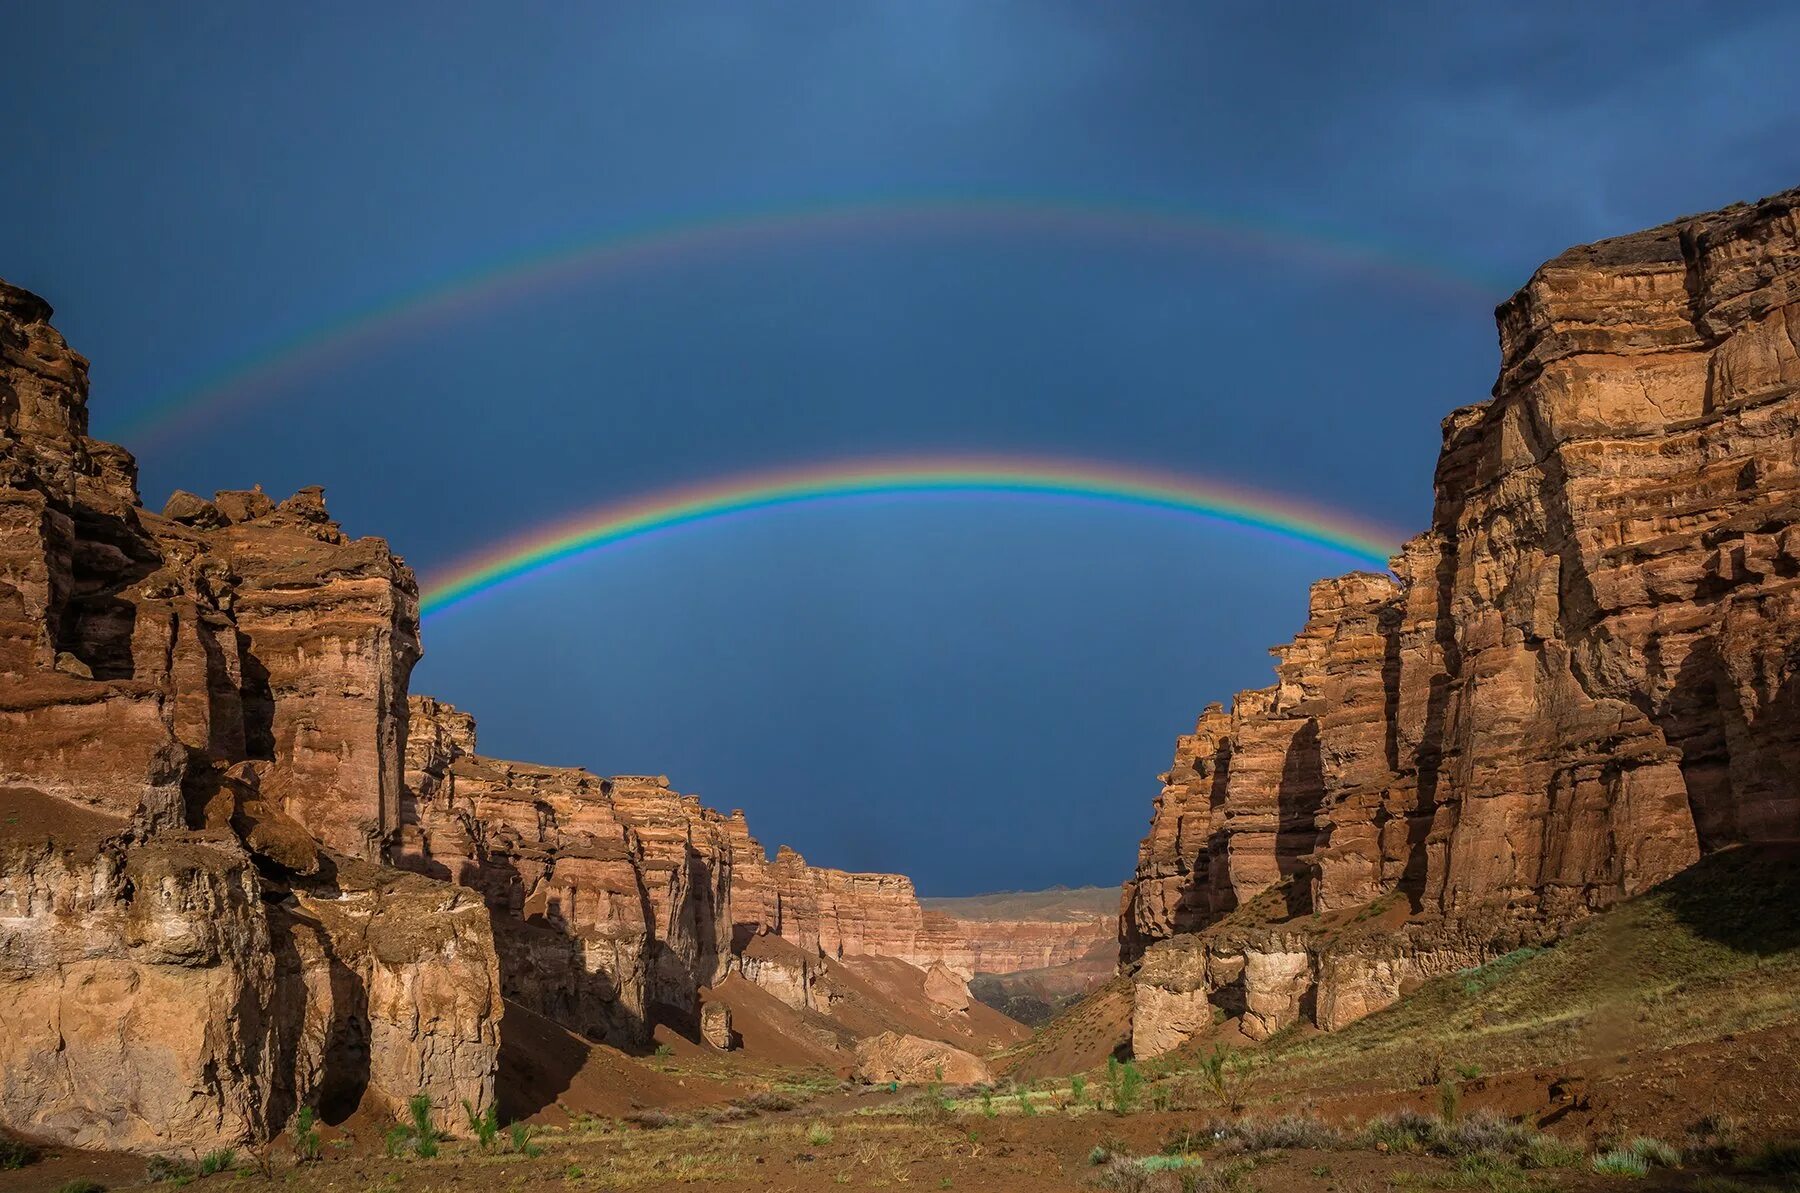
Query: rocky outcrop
[
  {"x": 913, "y": 1060},
  {"x": 1577, "y": 681},
  {"x": 616, "y": 900},
  {"x": 202, "y": 715}
]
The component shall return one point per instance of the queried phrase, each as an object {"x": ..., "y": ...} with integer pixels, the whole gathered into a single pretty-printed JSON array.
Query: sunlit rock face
[
  {"x": 1577, "y": 681},
  {"x": 202, "y": 718}
]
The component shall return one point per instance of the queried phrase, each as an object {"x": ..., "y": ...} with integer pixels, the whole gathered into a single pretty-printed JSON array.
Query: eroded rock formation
[
  {"x": 617, "y": 900},
  {"x": 201, "y": 724},
  {"x": 1580, "y": 678}
]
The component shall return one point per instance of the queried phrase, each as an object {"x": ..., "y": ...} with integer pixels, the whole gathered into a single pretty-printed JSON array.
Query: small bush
[
  {"x": 1620, "y": 1162},
  {"x": 1449, "y": 1101},
  {"x": 818, "y": 1135},
  {"x": 652, "y": 1120},
  {"x": 81, "y": 1185},
  {"x": 167, "y": 1168},
  {"x": 1025, "y": 1106},
  {"x": 221, "y": 1160},
  {"x": 1124, "y": 1083},
  {"x": 1408, "y": 1131},
  {"x": 772, "y": 1101},
  {"x": 306, "y": 1136},
  {"x": 1292, "y": 1131},
  {"x": 1547, "y": 1151},
  {"x": 485, "y": 1126},
  {"x": 1222, "y": 1073},
  {"x": 665, "y": 1050},
  {"x": 1078, "y": 1089},
  {"x": 1779, "y": 1158},
  {"x": 987, "y": 1102},
  {"x": 1483, "y": 1131},
  {"x": 518, "y": 1137},
  {"x": 15, "y": 1153},
  {"x": 1654, "y": 1152}
]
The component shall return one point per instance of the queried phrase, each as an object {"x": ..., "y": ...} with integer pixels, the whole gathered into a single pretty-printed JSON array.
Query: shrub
[
  {"x": 1779, "y": 1158},
  {"x": 1124, "y": 1083},
  {"x": 1620, "y": 1162},
  {"x": 818, "y": 1135},
  {"x": 771, "y": 1100},
  {"x": 1449, "y": 1101},
  {"x": 306, "y": 1136},
  {"x": 518, "y": 1136},
  {"x": 221, "y": 1160},
  {"x": 167, "y": 1168},
  {"x": 1654, "y": 1152},
  {"x": 1483, "y": 1131},
  {"x": 1078, "y": 1089},
  {"x": 81, "y": 1185},
  {"x": 1547, "y": 1151},
  {"x": 418, "y": 1137},
  {"x": 1408, "y": 1131},
  {"x": 15, "y": 1153},
  {"x": 652, "y": 1120},
  {"x": 987, "y": 1102},
  {"x": 665, "y": 1050},
  {"x": 485, "y": 1127},
  {"x": 1025, "y": 1106},
  {"x": 1222, "y": 1073},
  {"x": 1292, "y": 1131}
]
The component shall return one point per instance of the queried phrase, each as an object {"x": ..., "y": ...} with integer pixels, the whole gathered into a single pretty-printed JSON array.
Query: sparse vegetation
[
  {"x": 306, "y": 1136},
  {"x": 1078, "y": 1089},
  {"x": 81, "y": 1185},
  {"x": 221, "y": 1160},
  {"x": 1222, "y": 1072},
  {"x": 15, "y": 1153},
  {"x": 519, "y": 1139},
  {"x": 1620, "y": 1162},
  {"x": 818, "y": 1134},
  {"x": 420, "y": 1137},
  {"x": 665, "y": 1050},
  {"x": 167, "y": 1168},
  {"x": 1654, "y": 1152},
  {"x": 1124, "y": 1084},
  {"x": 483, "y": 1126},
  {"x": 1780, "y": 1158}
]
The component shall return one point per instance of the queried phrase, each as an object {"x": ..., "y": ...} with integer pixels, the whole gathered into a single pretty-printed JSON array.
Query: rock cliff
[
  {"x": 201, "y": 721},
  {"x": 241, "y": 872},
  {"x": 1577, "y": 681},
  {"x": 617, "y": 900}
]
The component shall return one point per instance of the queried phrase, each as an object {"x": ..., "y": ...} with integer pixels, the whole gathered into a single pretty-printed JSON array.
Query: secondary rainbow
[
  {"x": 520, "y": 558},
  {"x": 486, "y": 289}
]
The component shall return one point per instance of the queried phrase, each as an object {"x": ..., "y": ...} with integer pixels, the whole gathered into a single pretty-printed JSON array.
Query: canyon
[
  {"x": 243, "y": 869},
  {"x": 1572, "y": 686}
]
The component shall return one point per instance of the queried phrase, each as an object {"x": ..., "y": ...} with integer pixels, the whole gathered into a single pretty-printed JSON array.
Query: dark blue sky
[{"x": 980, "y": 692}]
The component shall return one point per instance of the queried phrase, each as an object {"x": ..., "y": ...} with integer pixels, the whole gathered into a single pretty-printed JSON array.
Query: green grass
[
  {"x": 218, "y": 1161},
  {"x": 1714, "y": 950},
  {"x": 1620, "y": 1162}
]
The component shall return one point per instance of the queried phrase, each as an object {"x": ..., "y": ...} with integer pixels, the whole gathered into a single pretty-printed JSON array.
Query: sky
[{"x": 976, "y": 691}]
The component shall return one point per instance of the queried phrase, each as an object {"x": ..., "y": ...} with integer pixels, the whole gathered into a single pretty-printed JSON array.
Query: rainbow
[
  {"x": 521, "y": 558},
  {"x": 670, "y": 244}
]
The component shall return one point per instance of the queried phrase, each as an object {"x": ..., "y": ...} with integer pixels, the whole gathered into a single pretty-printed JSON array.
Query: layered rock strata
[
  {"x": 1577, "y": 681},
  {"x": 202, "y": 715},
  {"x": 617, "y": 899}
]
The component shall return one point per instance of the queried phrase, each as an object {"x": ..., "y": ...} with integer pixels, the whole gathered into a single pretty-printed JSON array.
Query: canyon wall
[
  {"x": 617, "y": 900},
  {"x": 228, "y": 829},
  {"x": 201, "y": 721},
  {"x": 1577, "y": 681}
]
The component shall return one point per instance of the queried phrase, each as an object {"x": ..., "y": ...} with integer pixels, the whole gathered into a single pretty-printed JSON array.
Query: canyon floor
[{"x": 1674, "y": 1017}]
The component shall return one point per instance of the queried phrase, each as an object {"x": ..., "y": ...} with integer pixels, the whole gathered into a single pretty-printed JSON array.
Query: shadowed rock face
[{"x": 1576, "y": 682}]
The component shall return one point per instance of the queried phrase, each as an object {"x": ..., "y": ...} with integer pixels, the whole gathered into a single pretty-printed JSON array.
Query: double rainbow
[
  {"x": 517, "y": 559},
  {"x": 1112, "y": 221}
]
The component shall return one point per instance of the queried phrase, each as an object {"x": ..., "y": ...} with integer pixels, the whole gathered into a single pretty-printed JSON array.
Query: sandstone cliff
[
  {"x": 1577, "y": 681},
  {"x": 240, "y": 872},
  {"x": 201, "y": 720},
  {"x": 618, "y": 901}
]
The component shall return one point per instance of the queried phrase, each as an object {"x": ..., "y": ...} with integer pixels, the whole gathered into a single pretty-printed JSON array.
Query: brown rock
[
  {"x": 912, "y": 1060},
  {"x": 1574, "y": 684},
  {"x": 715, "y": 1026}
]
